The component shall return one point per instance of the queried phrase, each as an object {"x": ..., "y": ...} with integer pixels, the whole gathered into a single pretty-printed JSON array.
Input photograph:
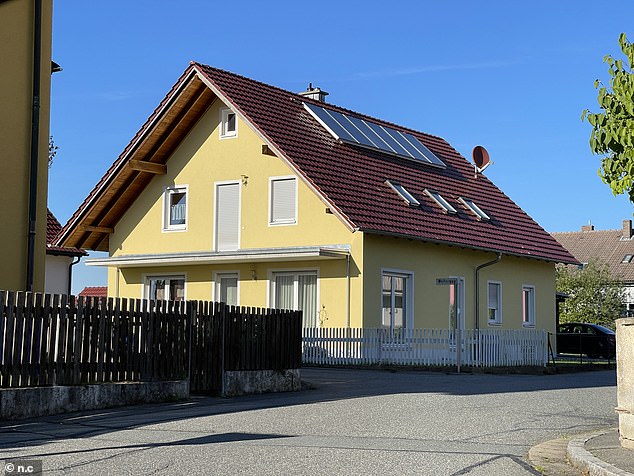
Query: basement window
[
  {"x": 477, "y": 211},
  {"x": 444, "y": 204},
  {"x": 228, "y": 124},
  {"x": 403, "y": 193}
]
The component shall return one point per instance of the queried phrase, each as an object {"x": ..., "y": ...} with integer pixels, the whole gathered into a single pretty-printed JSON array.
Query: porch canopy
[{"x": 297, "y": 253}]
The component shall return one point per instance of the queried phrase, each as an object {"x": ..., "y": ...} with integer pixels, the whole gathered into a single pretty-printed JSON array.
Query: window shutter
[
  {"x": 228, "y": 217},
  {"x": 283, "y": 200},
  {"x": 493, "y": 295}
]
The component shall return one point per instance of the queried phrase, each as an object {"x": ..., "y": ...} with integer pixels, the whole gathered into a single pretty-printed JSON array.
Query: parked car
[{"x": 590, "y": 339}]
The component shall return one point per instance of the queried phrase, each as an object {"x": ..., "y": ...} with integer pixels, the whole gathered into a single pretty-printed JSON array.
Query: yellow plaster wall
[
  {"x": 199, "y": 162},
  {"x": 16, "y": 79},
  {"x": 431, "y": 302},
  {"x": 202, "y": 160}
]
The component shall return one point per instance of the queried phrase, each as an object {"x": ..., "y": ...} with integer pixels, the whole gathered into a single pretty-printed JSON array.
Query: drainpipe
[
  {"x": 35, "y": 133},
  {"x": 70, "y": 273},
  {"x": 477, "y": 288},
  {"x": 348, "y": 291}
]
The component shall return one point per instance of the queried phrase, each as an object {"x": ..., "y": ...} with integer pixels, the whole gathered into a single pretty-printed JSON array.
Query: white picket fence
[{"x": 425, "y": 347}]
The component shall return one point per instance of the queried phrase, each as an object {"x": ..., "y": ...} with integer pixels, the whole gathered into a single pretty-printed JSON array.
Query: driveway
[{"x": 348, "y": 422}]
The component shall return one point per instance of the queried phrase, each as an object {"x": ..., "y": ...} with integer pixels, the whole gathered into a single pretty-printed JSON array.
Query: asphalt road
[{"x": 350, "y": 422}]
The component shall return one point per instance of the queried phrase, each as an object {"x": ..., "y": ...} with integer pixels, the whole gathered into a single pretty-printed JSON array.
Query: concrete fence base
[
  {"x": 19, "y": 403},
  {"x": 260, "y": 381},
  {"x": 625, "y": 380}
]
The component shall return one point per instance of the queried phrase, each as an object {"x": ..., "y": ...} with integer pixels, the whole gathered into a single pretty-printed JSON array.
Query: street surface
[{"x": 349, "y": 422}]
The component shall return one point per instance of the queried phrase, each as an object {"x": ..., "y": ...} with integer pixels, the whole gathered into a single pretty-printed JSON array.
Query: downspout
[
  {"x": 70, "y": 273},
  {"x": 348, "y": 292},
  {"x": 35, "y": 144},
  {"x": 477, "y": 288}
]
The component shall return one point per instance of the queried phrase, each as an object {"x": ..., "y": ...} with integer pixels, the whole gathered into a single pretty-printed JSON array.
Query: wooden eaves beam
[
  {"x": 150, "y": 167},
  {"x": 98, "y": 229}
]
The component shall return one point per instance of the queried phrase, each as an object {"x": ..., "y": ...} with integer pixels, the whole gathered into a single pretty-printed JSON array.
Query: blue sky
[{"x": 511, "y": 76}]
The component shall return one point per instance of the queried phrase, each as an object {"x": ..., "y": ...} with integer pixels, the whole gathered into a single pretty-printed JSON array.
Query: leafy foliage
[
  {"x": 613, "y": 129},
  {"x": 596, "y": 295},
  {"x": 52, "y": 151}
]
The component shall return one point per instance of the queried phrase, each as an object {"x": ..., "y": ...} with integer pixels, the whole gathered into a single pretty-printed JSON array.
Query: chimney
[
  {"x": 627, "y": 230},
  {"x": 587, "y": 227},
  {"x": 314, "y": 93}
]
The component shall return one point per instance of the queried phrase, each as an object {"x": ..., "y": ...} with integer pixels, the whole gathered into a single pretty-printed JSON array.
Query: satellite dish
[{"x": 480, "y": 157}]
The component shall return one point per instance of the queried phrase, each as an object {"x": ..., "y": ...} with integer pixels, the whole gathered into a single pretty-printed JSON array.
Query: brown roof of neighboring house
[
  {"x": 609, "y": 246},
  {"x": 94, "y": 291},
  {"x": 350, "y": 180},
  {"x": 53, "y": 227}
]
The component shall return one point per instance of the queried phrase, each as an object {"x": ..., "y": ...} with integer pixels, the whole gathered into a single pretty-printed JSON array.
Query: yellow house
[
  {"x": 242, "y": 192},
  {"x": 25, "y": 53}
]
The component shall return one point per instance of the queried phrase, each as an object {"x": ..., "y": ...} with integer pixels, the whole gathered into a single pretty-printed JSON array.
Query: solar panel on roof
[{"x": 356, "y": 131}]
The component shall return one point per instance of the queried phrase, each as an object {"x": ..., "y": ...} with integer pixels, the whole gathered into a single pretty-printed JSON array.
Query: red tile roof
[
  {"x": 95, "y": 291},
  {"x": 609, "y": 246},
  {"x": 351, "y": 180},
  {"x": 53, "y": 227}
]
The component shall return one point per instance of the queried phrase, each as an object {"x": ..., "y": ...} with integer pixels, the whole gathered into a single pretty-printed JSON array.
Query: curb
[{"x": 589, "y": 464}]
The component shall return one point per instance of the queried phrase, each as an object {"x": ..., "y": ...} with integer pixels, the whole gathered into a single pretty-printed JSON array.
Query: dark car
[{"x": 590, "y": 339}]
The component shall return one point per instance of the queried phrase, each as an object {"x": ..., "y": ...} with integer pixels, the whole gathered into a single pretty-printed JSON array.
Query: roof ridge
[{"x": 319, "y": 103}]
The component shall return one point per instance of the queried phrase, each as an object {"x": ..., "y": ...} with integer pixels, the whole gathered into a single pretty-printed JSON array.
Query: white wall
[{"x": 56, "y": 276}]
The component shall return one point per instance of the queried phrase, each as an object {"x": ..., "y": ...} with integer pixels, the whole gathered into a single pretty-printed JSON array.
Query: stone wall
[
  {"x": 19, "y": 403},
  {"x": 625, "y": 380},
  {"x": 260, "y": 381}
]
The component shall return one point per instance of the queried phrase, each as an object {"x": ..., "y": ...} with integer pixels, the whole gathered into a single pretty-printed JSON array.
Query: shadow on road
[{"x": 321, "y": 385}]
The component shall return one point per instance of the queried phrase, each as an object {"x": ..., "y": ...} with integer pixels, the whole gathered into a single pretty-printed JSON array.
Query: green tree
[
  {"x": 595, "y": 294},
  {"x": 612, "y": 133}
]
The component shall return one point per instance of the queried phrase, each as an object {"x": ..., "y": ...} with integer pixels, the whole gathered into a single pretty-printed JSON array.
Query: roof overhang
[{"x": 254, "y": 255}]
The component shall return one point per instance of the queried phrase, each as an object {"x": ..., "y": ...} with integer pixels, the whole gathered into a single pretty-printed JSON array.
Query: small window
[
  {"x": 227, "y": 288},
  {"x": 165, "y": 288},
  {"x": 627, "y": 259},
  {"x": 444, "y": 204},
  {"x": 403, "y": 193},
  {"x": 228, "y": 123},
  {"x": 494, "y": 302},
  {"x": 175, "y": 208},
  {"x": 528, "y": 306},
  {"x": 283, "y": 201},
  {"x": 474, "y": 208}
]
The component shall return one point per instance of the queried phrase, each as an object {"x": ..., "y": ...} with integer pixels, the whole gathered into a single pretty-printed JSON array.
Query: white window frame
[
  {"x": 217, "y": 276},
  {"x": 475, "y": 209},
  {"x": 498, "y": 306},
  {"x": 145, "y": 292},
  {"x": 270, "y": 202},
  {"x": 409, "y": 294},
  {"x": 441, "y": 201},
  {"x": 224, "y": 120},
  {"x": 403, "y": 193},
  {"x": 270, "y": 289},
  {"x": 528, "y": 316},
  {"x": 215, "y": 217},
  {"x": 167, "y": 193}
]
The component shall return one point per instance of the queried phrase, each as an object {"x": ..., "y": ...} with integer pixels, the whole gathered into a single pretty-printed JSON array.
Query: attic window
[
  {"x": 403, "y": 193},
  {"x": 228, "y": 123},
  {"x": 474, "y": 208},
  {"x": 444, "y": 204},
  {"x": 627, "y": 259}
]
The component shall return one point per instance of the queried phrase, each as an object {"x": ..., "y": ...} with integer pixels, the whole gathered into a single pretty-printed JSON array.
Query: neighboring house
[
  {"x": 94, "y": 291},
  {"x": 59, "y": 260},
  {"x": 613, "y": 247},
  {"x": 24, "y": 138},
  {"x": 238, "y": 191}
]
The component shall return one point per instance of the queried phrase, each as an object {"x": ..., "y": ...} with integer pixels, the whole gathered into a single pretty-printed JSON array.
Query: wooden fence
[
  {"x": 425, "y": 347},
  {"x": 64, "y": 340}
]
